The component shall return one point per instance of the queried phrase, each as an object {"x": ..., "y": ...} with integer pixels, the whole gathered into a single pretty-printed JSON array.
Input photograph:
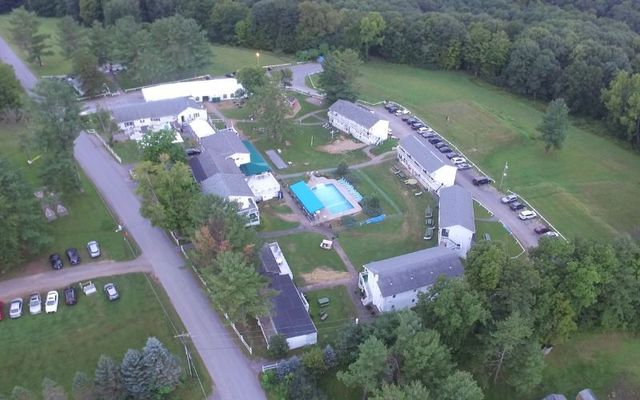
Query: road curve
[
  {"x": 23, "y": 73},
  {"x": 225, "y": 362}
]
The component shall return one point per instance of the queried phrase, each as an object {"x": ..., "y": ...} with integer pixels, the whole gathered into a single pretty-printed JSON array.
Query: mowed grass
[
  {"x": 585, "y": 189},
  {"x": 227, "y": 59},
  {"x": 486, "y": 224},
  {"x": 341, "y": 312},
  {"x": 304, "y": 255},
  {"x": 270, "y": 217},
  {"x": 88, "y": 217},
  {"x": 401, "y": 232},
  {"x": 58, "y": 345},
  {"x": 54, "y": 64}
]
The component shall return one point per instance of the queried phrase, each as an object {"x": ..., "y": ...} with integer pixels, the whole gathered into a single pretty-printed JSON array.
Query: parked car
[
  {"x": 445, "y": 150},
  {"x": 111, "y": 292},
  {"x": 423, "y": 129},
  {"x": 463, "y": 166},
  {"x": 417, "y": 125},
  {"x": 458, "y": 160},
  {"x": 56, "y": 261},
  {"x": 481, "y": 180},
  {"x": 93, "y": 248},
  {"x": 516, "y": 205},
  {"x": 440, "y": 144},
  {"x": 527, "y": 214},
  {"x": 392, "y": 109},
  {"x": 510, "y": 198},
  {"x": 35, "y": 304},
  {"x": 70, "y": 298},
  {"x": 51, "y": 304},
  {"x": 452, "y": 155},
  {"x": 551, "y": 234},
  {"x": 434, "y": 140},
  {"x": 410, "y": 121},
  {"x": 192, "y": 152},
  {"x": 1, "y": 311},
  {"x": 73, "y": 256},
  {"x": 15, "y": 308},
  {"x": 541, "y": 229},
  {"x": 406, "y": 117}
]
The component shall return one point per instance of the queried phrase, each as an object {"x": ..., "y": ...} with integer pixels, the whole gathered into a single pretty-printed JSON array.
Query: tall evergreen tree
[
  {"x": 82, "y": 387},
  {"x": 20, "y": 393},
  {"x": 370, "y": 368},
  {"x": 136, "y": 378},
  {"x": 10, "y": 92},
  {"x": 24, "y": 27},
  {"x": 554, "y": 125},
  {"x": 108, "y": 380},
  {"x": 70, "y": 36},
  {"x": 622, "y": 100},
  {"x": 341, "y": 68},
  {"x": 51, "y": 390},
  {"x": 162, "y": 366}
]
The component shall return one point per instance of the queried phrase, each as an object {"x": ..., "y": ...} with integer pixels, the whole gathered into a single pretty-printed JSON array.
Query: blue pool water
[{"x": 331, "y": 198}]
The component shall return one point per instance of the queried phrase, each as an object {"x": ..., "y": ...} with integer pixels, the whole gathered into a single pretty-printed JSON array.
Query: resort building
[
  {"x": 213, "y": 90},
  {"x": 290, "y": 310},
  {"x": 358, "y": 122},
  {"x": 456, "y": 219},
  {"x": 418, "y": 157},
  {"x": 137, "y": 119},
  {"x": 394, "y": 284}
]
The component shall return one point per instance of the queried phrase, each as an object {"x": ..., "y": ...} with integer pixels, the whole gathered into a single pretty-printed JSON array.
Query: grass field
[
  {"x": 58, "y": 345},
  {"x": 401, "y": 232},
  {"x": 228, "y": 59},
  {"x": 88, "y": 217},
  {"x": 128, "y": 151},
  {"x": 341, "y": 311},
  {"x": 497, "y": 232},
  {"x": 270, "y": 219},
  {"x": 586, "y": 188},
  {"x": 304, "y": 255}
]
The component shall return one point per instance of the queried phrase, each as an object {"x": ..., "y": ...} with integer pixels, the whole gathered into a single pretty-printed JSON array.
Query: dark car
[
  {"x": 56, "y": 261},
  {"x": 192, "y": 152},
  {"x": 445, "y": 150},
  {"x": 389, "y": 106},
  {"x": 418, "y": 125},
  {"x": 481, "y": 180},
  {"x": 516, "y": 205},
  {"x": 541, "y": 229},
  {"x": 405, "y": 118},
  {"x": 429, "y": 135},
  {"x": 439, "y": 145},
  {"x": 73, "y": 256},
  {"x": 434, "y": 140},
  {"x": 451, "y": 155},
  {"x": 70, "y": 298},
  {"x": 392, "y": 109}
]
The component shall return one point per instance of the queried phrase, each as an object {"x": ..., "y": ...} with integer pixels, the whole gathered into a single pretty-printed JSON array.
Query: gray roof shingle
[
  {"x": 421, "y": 151},
  {"x": 289, "y": 315},
  {"x": 456, "y": 208},
  {"x": 153, "y": 109},
  {"x": 355, "y": 113},
  {"x": 225, "y": 143},
  {"x": 415, "y": 270},
  {"x": 225, "y": 185}
]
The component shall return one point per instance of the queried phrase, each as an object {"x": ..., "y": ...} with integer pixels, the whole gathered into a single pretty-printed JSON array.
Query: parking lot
[{"x": 487, "y": 195}]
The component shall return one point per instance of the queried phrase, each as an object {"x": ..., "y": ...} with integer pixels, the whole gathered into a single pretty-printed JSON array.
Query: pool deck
[{"x": 324, "y": 215}]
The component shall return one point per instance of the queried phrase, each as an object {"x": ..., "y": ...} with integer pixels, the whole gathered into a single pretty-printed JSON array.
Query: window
[
  {"x": 394, "y": 296},
  {"x": 413, "y": 300},
  {"x": 155, "y": 119},
  {"x": 129, "y": 123},
  {"x": 445, "y": 232}
]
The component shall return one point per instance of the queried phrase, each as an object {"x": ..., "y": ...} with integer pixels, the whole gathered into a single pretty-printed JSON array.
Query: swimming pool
[{"x": 331, "y": 198}]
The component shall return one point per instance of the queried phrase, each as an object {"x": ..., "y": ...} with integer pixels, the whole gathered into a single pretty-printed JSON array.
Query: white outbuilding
[
  {"x": 419, "y": 158},
  {"x": 358, "y": 122},
  {"x": 201, "y": 90},
  {"x": 201, "y": 128},
  {"x": 456, "y": 219}
]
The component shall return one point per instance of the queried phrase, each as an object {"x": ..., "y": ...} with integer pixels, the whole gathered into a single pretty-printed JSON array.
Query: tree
[
  {"x": 316, "y": 23},
  {"x": 154, "y": 144},
  {"x": 369, "y": 369},
  {"x": 225, "y": 15},
  {"x": 90, "y": 10},
  {"x": 411, "y": 391},
  {"x": 285, "y": 76},
  {"x": 278, "y": 346},
  {"x": 162, "y": 366},
  {"x": 252, "y": 78},
  {"x": 408, "y": 326},
  {"x": 330, "y": 357},
  {"x": 82, "y": 388},
  {"x": 136, "y": 378},
  {"x": 20, "y": 393},
  {"x": 24, "y": 30},
  {"x": 56, "y": 124},
  {"x": 102, "y": 122},
  {"x": 372, "y": 26},
  {"x": 622, "y": 101},
  {"x": 371, "y": 206},
  {"x": 486, "y": 52},
  {"x": 271, "y": 108},
  {"x": 342, "y": 170},
  {"x": 10, "y": 91},
  {"x": 340, "y": 71},
  {"x": 553, "y": 128},
  {"x": 167, "y": 190},
  {"x": 238, "y": 289},
  {"x": 108, "y": 380},
  {"x": 99, "y": 42},
  {"x": 425, "y": 359},
  {"x": 52, "y": 391},
  {"x": 85, "y": 66},
  {"x": 70, "y": 36},
  {"x": 115, "y": 9},
  {"x": 313, "y": 361},
  {"x": 459, "y": 386}
]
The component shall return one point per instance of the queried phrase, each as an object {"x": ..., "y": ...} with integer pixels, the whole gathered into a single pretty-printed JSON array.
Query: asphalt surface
[
  {"x": 51, "y": 280},
  {"x": 487, "y": 195},
  {"x": 232, "y": 375},
  {"x": 23, "y": 73},
  {"x": 300, "y": 72}
]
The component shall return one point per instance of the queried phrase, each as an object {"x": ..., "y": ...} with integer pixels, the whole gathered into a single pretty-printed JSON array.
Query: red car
[{"x": 1, "y": 311}]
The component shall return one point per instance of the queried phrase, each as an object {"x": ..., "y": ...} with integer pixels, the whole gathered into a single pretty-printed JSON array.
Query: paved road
[
  {"x": 23, "y": 73},
  {"x": 68, "y": 275},
  {"x": 232, "y": 375},
  {"x": 300, "y": 72},
  {"x": 487, "y": 195}
]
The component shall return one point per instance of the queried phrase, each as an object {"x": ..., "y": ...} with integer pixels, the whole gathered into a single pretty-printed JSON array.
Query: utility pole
[{"x": 504, "y": 173}]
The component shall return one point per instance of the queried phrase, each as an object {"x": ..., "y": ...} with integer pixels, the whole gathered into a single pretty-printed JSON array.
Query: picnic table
[{"x": 323, "y": 301}]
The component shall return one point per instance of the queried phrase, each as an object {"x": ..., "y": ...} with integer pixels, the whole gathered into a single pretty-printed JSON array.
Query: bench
[
  {"x": 487, "y": 237},
  {"x": 323, "y": 301},
  {"x": 428, "y": 234}
]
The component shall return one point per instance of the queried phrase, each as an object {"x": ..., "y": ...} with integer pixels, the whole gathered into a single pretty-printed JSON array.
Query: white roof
[
  {"x": 195, "y": 89},
  {"x": 201, "y": 128},
  {"x": 263, "y": 182}
]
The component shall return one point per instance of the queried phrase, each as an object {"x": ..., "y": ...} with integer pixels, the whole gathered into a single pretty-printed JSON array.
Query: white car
[
  {"x": 93, "y": 248},
  {"x": 551, "y": 234},
  {"x": 509, "y": 198},
  {"x": 51, "y": 304},
  {"x": 35, "y": 304},
  {"x": 458, "y": 160},
  {"x": 15, "y": 309},
  {"x": 527, "y": 214}
]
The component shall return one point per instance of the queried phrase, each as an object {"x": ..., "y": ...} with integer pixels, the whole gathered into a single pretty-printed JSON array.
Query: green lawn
[
  {"x": 270, "y": 219},
  {"x": 386, "y": 146},
  {"x": 341, "y": 311},
  {"x": 58, "y": 345},
  {"x": 305, "y": 106},
  {"x": 229, "y": 59},
  {"x": 585, "y": 189},
  {"x": 128, "y": 151},
  {"x": 54, "y": 64},
  {"x": 302, "y": 147},
  {"x": 304, "y": 255},
  {"x": 401, "y": 232},
  {"x": 88, "y": 217}
]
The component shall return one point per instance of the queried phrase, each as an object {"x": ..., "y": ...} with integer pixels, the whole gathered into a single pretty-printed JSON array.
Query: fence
[
  {"x": 106, "y": 145},
  {"x": 546, "y": 221},
  {"x": 267, "y": 367}
]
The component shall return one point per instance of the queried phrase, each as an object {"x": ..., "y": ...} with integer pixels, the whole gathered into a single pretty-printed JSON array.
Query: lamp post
[{"x": 258, "y": 59}]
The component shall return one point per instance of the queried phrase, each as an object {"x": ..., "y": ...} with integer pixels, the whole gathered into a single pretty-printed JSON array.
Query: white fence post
[{"x": 106, "y": 145}]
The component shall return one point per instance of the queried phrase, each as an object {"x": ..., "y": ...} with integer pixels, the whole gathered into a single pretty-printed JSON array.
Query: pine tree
[
  {"x": 52, "y": 391},
  {"x": 108, "y": 380},
  {"x": 136, "y": 379},
  {"x": 82, "y": 387},
  {"x": 162, "y": 366},
  {"x": 330, "y": 357},
  {"x": 553, "y": 128},
  {"x": 20, "y": 393}
]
